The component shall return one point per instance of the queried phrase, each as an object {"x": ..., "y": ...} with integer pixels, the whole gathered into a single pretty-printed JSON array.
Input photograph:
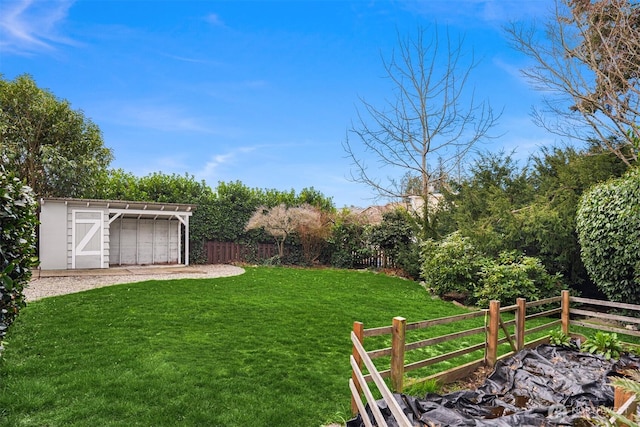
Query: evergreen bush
[
  {"x": 18, "y": 222},
  {"x": 608, "y": 225}
]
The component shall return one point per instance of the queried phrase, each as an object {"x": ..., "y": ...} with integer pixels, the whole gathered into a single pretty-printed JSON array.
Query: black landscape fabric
[{"x": 545, "y": 386}]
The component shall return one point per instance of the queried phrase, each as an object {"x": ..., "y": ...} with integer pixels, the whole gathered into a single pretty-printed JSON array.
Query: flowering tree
[{"x": 281, "y": 221}]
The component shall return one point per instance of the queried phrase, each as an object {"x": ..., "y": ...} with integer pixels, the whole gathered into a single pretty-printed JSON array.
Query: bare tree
[
  {"x": 587, "y": 63},
  {"x": 432, "y": 117},
  {"x": 280, "y": 221}
]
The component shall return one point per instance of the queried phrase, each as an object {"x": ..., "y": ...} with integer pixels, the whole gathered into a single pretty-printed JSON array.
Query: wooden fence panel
[
  {"x": 229, "y": 252},
  {"x": 377, "y": 260}
]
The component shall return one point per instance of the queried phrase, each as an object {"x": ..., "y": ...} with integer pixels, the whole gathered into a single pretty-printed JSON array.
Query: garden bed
[{"x": 545, "y": 386}]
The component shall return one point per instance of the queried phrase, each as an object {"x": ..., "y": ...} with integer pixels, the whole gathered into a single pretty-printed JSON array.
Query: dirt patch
[{"x": 471, "y": 382}]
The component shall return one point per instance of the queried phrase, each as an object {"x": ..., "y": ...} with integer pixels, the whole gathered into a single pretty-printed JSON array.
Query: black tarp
[{"x": 545, "y": 386}]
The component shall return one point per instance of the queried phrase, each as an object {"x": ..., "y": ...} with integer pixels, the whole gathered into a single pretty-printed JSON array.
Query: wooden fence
[
  {"x": 230, "y": 252},
  {"x": 494, "y": 326},
  {"x": 377, "y": 259}
]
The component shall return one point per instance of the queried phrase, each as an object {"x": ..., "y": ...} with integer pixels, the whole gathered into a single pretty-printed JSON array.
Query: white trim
[
  {"x": 186, "y": 241},
  {"x": 182, "y": 220},
  {"x": 113, "y": 218},
  {"x": 149, "y": 212}
]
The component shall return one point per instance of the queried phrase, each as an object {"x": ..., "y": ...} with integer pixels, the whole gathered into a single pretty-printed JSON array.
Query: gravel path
[{"x": 46, "y": 284}]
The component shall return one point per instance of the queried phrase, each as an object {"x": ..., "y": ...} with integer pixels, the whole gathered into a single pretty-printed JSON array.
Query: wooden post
[
  {"x": 521, "y": 314},
  {"x": 491, "y": 352},
  {"x": 620, "y": 397},
  {"x": 358, "y": 329},
  {"x": 397, "y": 353},
  {"x": 565, "y": 312}
]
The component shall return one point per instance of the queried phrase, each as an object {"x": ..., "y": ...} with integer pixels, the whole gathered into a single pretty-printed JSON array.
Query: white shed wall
[{"x": 53, "y": 236}]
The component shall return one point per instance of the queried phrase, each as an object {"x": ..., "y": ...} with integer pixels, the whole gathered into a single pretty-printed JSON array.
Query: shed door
[
  {"x": 143, "y": 241},
  {"x": 88, "y": 239}
]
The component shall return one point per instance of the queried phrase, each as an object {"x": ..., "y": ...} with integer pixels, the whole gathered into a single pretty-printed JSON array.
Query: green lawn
[{"x": 267, "y": 348}]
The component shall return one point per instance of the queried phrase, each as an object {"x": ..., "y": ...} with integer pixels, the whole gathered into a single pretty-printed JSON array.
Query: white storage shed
[{"x": 82, "y": 233}]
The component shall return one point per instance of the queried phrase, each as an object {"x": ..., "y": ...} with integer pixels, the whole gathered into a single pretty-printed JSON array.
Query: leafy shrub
[
  {"x": 559, "y": 338},
  {"x": 604, "y": 344},
  {"x": 608, "y": 225},
  {"x": 454, "y": 265},
  {"x": 396, "y": 235},
  {"x": 514, "y": 276},
  {"x": 408, "y": 259},
  {"x": 274, "y": 260},
  {"x": 451, "y": 265},
  {"x": 17, "y": 245},
  {"x": 347, "y": 242}
]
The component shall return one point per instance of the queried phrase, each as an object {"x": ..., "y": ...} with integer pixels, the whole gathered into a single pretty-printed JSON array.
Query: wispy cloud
[
  {"x": 512, "y": 69},
  {"x": 215, "y": 20},
  {"x": 208, "y": 172},
  {"x": 466, "y": 12},
  {"x": 155, "y": 115},
  {"x": 165, "y": 119},
  {"x": 503, "y": 11},
  {"x": 191, "y": 60},
  {"x": 175, "y": 162},
  {"x": 264, "y": 155},
  {"x": 28, "y": 27}
]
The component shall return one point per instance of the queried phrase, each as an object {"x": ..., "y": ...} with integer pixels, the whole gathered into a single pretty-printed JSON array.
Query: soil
[{"x": 471, "y": 382}]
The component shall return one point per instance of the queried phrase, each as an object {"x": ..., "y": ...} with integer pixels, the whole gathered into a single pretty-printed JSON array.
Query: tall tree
[
  {"x": 586, "y": 64},
  {"x": 427, "y": 126},
  {"x": 55, "y": 149},
  {"x": 484, "y": 205},
  {"x": 560, "y": 176}
]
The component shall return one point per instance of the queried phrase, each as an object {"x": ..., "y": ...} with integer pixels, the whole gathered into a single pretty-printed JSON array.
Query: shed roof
[{"x": 127, "y": 207}]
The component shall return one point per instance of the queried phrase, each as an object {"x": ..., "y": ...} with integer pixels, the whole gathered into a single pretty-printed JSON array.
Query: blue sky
[{"x": 262, "y": 91}]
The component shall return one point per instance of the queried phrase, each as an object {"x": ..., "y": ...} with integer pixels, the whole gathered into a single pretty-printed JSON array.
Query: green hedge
[
  {"x": 608, "y": 224},
  {"x": 18, "y": 222}
]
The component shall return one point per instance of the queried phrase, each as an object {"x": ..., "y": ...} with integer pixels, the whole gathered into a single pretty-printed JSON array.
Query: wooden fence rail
[
  {"x": 494, "y": 326},
  {"x": 597, "y": 314},
  {"x": 491, "y": 331},
  {"x": 358, "y": 384}
]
